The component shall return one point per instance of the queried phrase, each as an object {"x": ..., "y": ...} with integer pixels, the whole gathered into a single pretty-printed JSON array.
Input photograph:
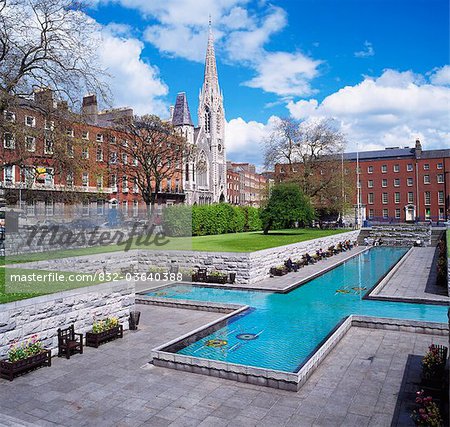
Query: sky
[{"x": 379, "y": 68}]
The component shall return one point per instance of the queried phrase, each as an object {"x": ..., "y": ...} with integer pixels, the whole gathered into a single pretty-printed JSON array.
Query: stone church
[{"x": 204, "y": 175}]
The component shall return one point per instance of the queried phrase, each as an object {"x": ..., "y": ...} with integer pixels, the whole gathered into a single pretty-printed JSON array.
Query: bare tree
[
  {"x": 48, "y": 44},
  {"x": 310, "y": 153},
  {"x": 155, "y": 152}
]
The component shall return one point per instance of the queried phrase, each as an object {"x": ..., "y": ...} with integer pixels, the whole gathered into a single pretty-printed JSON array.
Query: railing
[{"x": 435, "y": 221}]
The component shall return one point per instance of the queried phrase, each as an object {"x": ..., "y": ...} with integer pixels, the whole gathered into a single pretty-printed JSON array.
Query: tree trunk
[{"x": 267, "y": 227}]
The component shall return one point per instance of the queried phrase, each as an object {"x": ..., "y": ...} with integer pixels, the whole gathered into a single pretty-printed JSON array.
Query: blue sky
[{"x": 378, "y": 67}]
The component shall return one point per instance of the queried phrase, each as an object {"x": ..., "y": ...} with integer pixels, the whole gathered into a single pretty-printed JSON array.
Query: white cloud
[
  {"x": 134, "y": 82},
  {"x": 244, "y": 139},
  {"x": 441, "y": 76},
  {"x": 285, "y": 74},
  {"x": 391, "y": 110},
  {"x": 368, "y": 51}
]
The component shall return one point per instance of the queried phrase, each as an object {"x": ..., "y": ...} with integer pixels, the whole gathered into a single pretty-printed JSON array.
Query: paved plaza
[
  {"x": 416, "y": 278},
  {"x": 356, "y": 385}
]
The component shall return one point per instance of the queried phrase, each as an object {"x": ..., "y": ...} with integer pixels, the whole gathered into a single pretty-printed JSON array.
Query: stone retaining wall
[
  {"x": 401, "y": 234},
  {"x": 249, "y": 267},
  {"x": 45, "y": 314}
]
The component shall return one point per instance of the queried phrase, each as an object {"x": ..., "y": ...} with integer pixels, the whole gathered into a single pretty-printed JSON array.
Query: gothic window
[
  {"x": 207, "y": 120},
  {"x": 202, "y": 171}
]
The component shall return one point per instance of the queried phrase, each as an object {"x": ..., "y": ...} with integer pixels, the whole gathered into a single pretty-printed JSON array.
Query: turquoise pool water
[{"x": 281, "y": 330}]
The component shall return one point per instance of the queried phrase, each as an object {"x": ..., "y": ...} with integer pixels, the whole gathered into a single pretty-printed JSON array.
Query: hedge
[{"x": 203, "y": 220}]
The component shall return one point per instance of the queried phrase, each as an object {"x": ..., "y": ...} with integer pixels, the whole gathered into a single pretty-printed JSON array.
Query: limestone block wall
[
  {"x": 45, "y": 314},
  {"x": 401, "y": 234}
]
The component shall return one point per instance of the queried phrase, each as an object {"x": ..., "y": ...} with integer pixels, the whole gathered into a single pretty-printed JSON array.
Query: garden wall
[
  {"x": 249, "y": 267},
  {"x": 401, "y": 234},
  {"x": 45, "y": 314}
]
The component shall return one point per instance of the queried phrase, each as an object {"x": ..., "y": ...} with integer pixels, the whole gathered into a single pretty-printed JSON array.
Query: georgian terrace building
[
  {"x": 99, "y": 184},
  {"x": 398, "y": 184}
]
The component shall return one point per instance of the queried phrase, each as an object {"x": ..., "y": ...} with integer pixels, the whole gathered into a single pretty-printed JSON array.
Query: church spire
[{"x": 211, "y": 80}]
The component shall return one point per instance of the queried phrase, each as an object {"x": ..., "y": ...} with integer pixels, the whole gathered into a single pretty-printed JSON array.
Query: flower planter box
[
  {"x": 278, "y": 272},
  {"x": 10, "y": 370},
  {"x": 218, "y": 279},
  {"x": 94, "y": 340}
]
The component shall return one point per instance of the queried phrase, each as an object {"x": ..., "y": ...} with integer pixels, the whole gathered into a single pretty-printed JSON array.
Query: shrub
[
  {"x": 177, "y": 220},
  {"x": 252, "y": 219}
]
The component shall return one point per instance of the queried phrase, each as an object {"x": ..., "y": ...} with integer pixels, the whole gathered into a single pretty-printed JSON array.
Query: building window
[
  {"x": 124, "y": 184},
  {"x": 69, "y": 179},
  {"x": 440, "y": 165},
  {"x": 370, "y": 169},
  {"x": 99, "y": 137},
  {"x": 85, "y": 153},
  {"x": 31, "y": 208},
  {"x": 441, "y": 197},
  {"x": 49, "y": 208},
  {"x": 370, "y": 213},
  {"x": 112, "y": 139},
  {"x": 30, "y": 121},
  {"x": 409, "y": 167},
  {"x": 70, "y": 132},
  {"x": 85, "y": 208},
  {"x": 427, "y": 197},
  {"x": 384, "y": 198},
  {"x": 426, "y": 179},
  {"x": 409, "y": 182},
  {"x": 385, "y": 213},
  {"x": 9, "y": 141},
  {"x": 99, "y": 182},
  {"x": 384, "y": 183},
  {"x": 113, "y": 157},
  {"x": 441, "y": 213},
  {"x": 426, "y": 167},
  {"x": 113, "y": 183},
  {"x": 9, "y": 116},
  {"x": 397, "y": 213},
  {"x": 383, "y": 168},
  {"x": 410, "y": 197},
  {"x": 135, "y": 208},
  {"x": 397, "y": 182},
  {"x": 135, "y": 186},
  {"x": 9, "y": 175},
  {"x": 124, "y": 158},
  {"x": 48, "y": 146},
  {"x": 85, "y": 135},
  {"x": 125, "y": 207},
  {"x": 396, "y": 168},
  {"x": 100, "y": 207},
  {"x": 85, "y": 179},
  {"x": 370, "y": 183},
  {"x": 70, "y": 151},
  {"x": 49, "y": 125},
  {"x": 30, "y": 143},
  {"x": 99, "y": 153},
  {"x": 440, "y": 178},
  {"x": 397, "y": 197},
  {"x": 427, "y": 213},
  {"x": 370, "y": 198}
]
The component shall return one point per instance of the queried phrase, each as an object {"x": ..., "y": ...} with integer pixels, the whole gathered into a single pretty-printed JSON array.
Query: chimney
[
  {"x": 89, "y": 108},
  {"x": 418, "y": 149},
  {"x": 44, "y": 97}
]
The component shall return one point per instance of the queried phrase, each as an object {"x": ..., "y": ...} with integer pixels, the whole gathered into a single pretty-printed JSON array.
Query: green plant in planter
[
  {"x": 428, "y": 413},
  {"x": 29, "y": 348},
  {"x": 104, "y": 325},
  {"x": 433, "y": 362}
]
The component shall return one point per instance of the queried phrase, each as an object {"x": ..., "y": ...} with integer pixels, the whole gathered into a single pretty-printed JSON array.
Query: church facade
[{"x": 204, "y": 169}]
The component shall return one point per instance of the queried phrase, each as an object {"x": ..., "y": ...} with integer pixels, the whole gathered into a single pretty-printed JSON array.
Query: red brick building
[
  {"x": 245, "y": 187},
  {"x": 40, "y": 187},
  {"x": 397, "y": 184},
  {"x": 403, "y": 184}
]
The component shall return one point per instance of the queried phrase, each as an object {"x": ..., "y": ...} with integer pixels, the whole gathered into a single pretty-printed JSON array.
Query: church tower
[{"x": 211, "y": 120}]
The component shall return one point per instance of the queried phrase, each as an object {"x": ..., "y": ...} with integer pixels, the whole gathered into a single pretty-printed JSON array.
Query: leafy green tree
[{"x": 287, "y": 204}]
